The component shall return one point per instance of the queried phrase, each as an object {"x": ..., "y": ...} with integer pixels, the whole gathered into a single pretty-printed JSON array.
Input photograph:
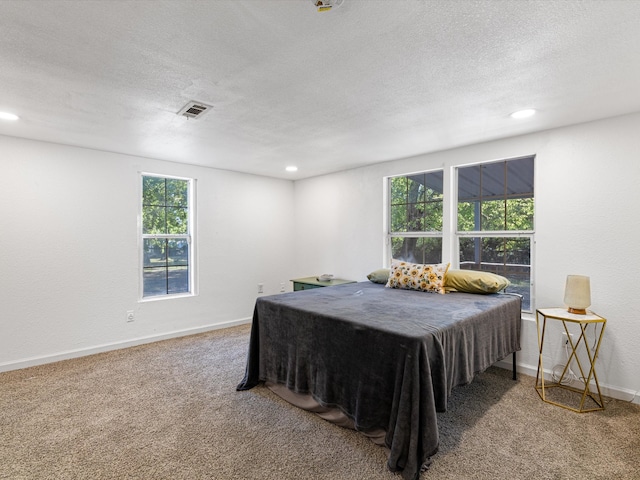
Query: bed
[{"x": 387, "y": 358}]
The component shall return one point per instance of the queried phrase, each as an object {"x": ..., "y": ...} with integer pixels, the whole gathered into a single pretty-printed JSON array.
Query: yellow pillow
[
  {"x": 416, "y": 276},
  {"x": 379, "y": 276},
  {"x": 471, "y": 281}
]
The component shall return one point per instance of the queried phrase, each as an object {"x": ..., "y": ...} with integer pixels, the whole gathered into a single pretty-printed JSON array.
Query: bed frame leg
[{"x": 515, "y": 377}]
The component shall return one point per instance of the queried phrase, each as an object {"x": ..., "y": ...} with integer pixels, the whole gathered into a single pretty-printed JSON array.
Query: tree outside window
[
  {"x": 496, "y": 220},
  {"x": 494, "y": 228},
  {"x": 415, "y": 217},
  {"x": 166, "y": 236}
]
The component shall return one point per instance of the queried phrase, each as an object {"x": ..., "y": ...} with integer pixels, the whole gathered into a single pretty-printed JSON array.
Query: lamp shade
[{"x": 577, "y": 294}]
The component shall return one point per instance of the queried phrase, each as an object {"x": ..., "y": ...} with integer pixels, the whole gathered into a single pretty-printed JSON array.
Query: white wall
[
  {"x": 587, "y": 192},
  {"x": 69, "y": 254},
  {"x": 69, "y": 257}
]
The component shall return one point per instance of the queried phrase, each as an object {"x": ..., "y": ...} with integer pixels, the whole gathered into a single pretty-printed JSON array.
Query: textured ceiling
[{"x": 367, "y": 82}]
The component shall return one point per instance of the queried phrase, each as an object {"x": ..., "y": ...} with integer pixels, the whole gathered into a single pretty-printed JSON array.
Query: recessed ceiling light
[
  {"x": 291, "y": 168},
  {"x": 8, "y": 116},
  {"x": 523, "y": 113}
]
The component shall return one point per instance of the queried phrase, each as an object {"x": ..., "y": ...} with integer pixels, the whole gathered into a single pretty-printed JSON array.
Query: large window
[
  {"x": 415, "y": 217},
  {"x": 492, "y": 221},
  {"x": 495, "y": 221},
  {"x": 167, "y": 248}
]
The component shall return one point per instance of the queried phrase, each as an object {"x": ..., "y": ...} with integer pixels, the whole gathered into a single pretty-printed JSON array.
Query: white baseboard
[
  {"x": 82, "y": 352},
  {"x": 607, "y": 390},
  {"x": 623, "y": 394}
]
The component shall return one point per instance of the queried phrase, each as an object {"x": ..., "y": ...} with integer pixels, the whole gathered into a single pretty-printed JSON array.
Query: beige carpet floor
[{"x": 169, "y": 410}]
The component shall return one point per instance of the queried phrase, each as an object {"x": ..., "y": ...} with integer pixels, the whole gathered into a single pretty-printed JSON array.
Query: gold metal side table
[{"x": 583, "y": 321}]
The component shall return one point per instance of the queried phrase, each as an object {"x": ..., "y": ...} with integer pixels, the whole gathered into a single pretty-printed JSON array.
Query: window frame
[
  {"x": 450, "y": 234},
  {"x": 189, "y": 237}
]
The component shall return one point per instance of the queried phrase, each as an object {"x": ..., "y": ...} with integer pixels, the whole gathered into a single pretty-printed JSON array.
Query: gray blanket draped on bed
[{"x": 387, "y": 358}]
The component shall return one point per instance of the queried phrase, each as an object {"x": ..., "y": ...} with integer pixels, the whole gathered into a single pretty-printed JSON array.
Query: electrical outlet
[
  {"x": 565, "y": 340},
  {"x": 130, "y": 316},
  {"x": 261, "y": 288},
  {"x": 282, "y": 287}
]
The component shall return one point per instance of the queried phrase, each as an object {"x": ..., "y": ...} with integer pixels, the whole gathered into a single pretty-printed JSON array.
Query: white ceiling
[{"x": 367, "y": 82}]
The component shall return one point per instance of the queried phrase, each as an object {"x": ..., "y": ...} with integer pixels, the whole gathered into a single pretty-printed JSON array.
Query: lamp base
[{"x": 577, "y": 311}]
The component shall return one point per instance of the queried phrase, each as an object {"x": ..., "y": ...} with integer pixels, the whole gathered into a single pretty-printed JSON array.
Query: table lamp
[{"x": 577, "y": 294}]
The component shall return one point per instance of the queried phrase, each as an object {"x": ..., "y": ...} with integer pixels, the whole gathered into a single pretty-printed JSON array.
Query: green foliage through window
[
  {"x": 495, "y": 219},
  {"x": 496, "y": 201},
  {"x": 496, "y": 196},
  {"x": 416, "y": 208},
  {"x": 166, "y": 235},
  {"x": 165, "y": 205}
]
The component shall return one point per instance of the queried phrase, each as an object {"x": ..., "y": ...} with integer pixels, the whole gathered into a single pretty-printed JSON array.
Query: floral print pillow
[{"x": 415, "y": 276}]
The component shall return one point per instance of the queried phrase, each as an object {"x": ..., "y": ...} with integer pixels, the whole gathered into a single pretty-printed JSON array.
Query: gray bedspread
[{"x": 387, "y": 358}]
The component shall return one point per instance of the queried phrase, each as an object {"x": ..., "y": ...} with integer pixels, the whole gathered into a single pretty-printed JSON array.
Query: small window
[
  {"x": 167, "y": 247},
  {"x": 415, "y": 217}
]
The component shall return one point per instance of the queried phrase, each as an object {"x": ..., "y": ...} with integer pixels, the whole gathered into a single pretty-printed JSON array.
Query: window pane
[
  {"x": 178, "y": 252},
  {"x": 154, "y": 220},
  {"x": 433, "y": 217},
  {"x": 416, "y": 188},
  {"x": 398, "y": 218},
  {"x": 416, "y": 203},
  {"x": 509, "y": 257},
  {"x": 517, "y": 251},
  {"x": 520, "y": 177},
  {"x": 398, "y": 190},
  {"x": 178, "y": 280},
  {"x": 165, "y": 206},
  {"x": 177, "y": 192},
  {"x": 493, "y": 215},
  {"x": 155, "y": 281},
  {"x": 166, "y": 266},
  {"x": 468, "y": 217},
  {"x": 496, "y": 196},
  {"x": 492, "y": 250},
  {"x": 177, "y": 219},
  {"x": 469, "y": 184},
  {"x": 417, "y": 250},
  {"x": 492, "y": 180},
  {"x": 154, "y": 252},
  {"x": 520, "y": 214},
  {"x": 434, "y": 186},
  {"x": 415, "y": 217},
  {"x": 153, "y": 191}
]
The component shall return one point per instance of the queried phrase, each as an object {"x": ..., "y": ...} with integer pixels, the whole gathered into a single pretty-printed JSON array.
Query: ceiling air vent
[{"x": 195, "y": 109}]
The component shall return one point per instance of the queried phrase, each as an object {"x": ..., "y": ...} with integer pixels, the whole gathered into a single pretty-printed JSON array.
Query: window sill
[{"x": 155, "y": 298}]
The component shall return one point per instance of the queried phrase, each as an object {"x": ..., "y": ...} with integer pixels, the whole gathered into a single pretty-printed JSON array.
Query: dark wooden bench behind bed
[{"x": 387, "y": 358}]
